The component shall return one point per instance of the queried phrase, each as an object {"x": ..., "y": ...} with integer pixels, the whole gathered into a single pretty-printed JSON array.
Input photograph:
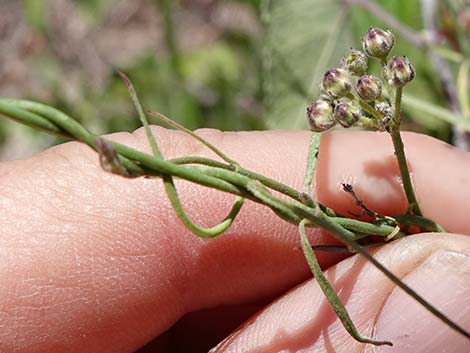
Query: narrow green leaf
[
  {"x": 435, "y": 111},
  {"x": 311, "y": 161},
  {"x": 463, "y": 88}
]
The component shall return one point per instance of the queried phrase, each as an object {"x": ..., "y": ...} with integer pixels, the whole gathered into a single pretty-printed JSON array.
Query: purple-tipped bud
[
  {"x": 398, "y": 71},
  {"x": 336, "y": 83},
  {"x": 377, "y": 42},
  {"x": 369, "y": 88},
  {"x": 347, "y": 112},
  {"x": 355, "y": 62},
  {"x": 320, "y": 115},
  {"x": 387, "y": 113}
]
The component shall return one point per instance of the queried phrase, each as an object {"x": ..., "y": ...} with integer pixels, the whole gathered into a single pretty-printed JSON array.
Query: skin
[{"x": 92, "y": 262}]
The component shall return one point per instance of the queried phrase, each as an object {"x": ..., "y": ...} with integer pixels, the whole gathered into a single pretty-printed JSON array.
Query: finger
[
  {"x": 97, "y": 245},
  {"x": 440, "y": 175},
  {"x": 436, "y": 266},
  {"x": 89, "y": 254}
]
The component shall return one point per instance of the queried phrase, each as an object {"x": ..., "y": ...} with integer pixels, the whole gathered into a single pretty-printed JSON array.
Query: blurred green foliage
[
  {"x": 216, "y": 84},
  {"x": 258, "y": 65},
  {"x": 306, "y": 37}
]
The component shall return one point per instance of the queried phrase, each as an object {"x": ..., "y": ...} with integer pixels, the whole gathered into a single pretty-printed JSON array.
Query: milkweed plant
[{"x": 350, "y": 97}]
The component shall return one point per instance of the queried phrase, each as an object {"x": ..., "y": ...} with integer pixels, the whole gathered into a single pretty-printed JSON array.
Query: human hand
[{"x": 91, "y": 262}]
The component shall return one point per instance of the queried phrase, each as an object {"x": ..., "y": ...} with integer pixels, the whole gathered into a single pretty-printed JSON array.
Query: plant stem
[
  {"x": 397, "y": 113},
  {"x": 206, "y": 143},
  {"x": 166, "y": 8},
  {"x": 330, "y": 292},
  {"x": 413, "y": 206},
  {"x": 389, "y": 88},
  {"x": 233, "y": 182},
  {"x": 370, "y": 110},
  {"x": 311, "y": 161},
  {"x": 322, "y": 220}
]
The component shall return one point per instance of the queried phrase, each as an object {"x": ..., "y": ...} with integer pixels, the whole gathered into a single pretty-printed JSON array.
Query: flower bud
[
  {"x": 387, "y": 113},
  {"x": 398, "y": 71},
  {"x": 320, "y": 115},
  {"x": 336, "y": 83},
  {"x": 347, "y": 112},
  {"x": 369, "y": 88},
  {"x": 377, "y": 42},
  {"x": 355, "y": 62}
]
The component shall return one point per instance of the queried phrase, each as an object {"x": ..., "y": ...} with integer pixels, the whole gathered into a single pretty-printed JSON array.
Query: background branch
[
  {"x": 461, "y": 138},
  {"x": 409, "y": 34}
]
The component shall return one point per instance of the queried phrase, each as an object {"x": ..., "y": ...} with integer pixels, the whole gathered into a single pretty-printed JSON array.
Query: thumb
[{"x": 436, "y": 266}]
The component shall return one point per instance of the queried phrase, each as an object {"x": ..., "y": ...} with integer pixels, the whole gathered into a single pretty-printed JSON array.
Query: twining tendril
[{"x": 169, "y": 184}]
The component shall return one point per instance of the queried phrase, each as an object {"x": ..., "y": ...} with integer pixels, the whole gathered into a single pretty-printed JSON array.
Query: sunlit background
[{"x": 232, "y": 65}]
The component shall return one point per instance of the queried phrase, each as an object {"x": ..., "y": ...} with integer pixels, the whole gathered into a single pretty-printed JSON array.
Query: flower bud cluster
[
  {"x": 326, "y": 113},
  {"x": 338, "y": 104}
]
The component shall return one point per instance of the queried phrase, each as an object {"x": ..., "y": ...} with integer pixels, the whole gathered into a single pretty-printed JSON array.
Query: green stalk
[
  {"x": 169, "y": 184},
  {"x": 233, "y": 165},
  {"x": 312, "y": 157},
  {"x": 413, "y": 206},
  {"x": 166, "y": 7},
  {"x": 389, "y": 88},
  {"x": 270, "y": 183},
  {"x": 219, "y": 178},
  {"x": 369, "y": 109},
  {"x": 330, "y": 292}
]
